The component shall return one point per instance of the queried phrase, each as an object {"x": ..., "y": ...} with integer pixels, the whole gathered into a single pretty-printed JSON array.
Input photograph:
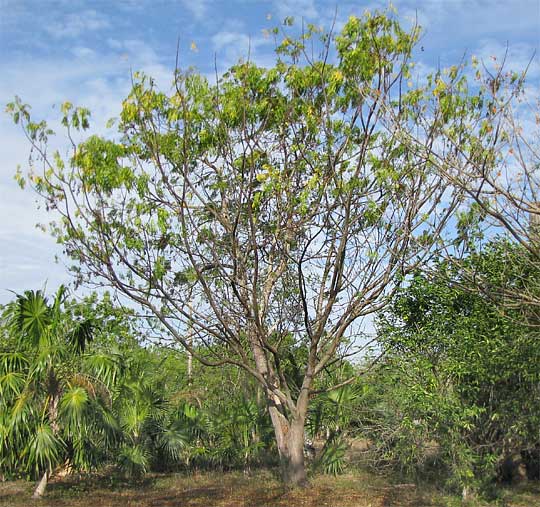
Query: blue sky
[{"x": 85, "y": 51}]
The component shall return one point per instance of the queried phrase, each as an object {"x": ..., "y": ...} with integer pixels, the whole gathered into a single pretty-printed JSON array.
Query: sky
[{"x": 85, "y": 52}]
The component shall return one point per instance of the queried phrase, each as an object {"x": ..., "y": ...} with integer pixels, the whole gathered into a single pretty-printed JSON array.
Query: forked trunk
[{"x": 42, "y": 485}]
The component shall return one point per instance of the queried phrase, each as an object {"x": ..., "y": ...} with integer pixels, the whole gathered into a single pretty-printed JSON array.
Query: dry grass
[{"x": 235, "y": 490}]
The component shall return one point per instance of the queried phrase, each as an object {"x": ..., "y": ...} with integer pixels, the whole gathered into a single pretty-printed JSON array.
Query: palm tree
[
  {"x": 151, "y": 430},
  {"x": 52, "y": 410}
]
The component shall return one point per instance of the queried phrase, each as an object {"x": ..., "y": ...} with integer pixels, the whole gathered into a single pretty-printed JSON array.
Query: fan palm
[
  {"x": 151, "y": 431},
  {"x": 51, "y": 408}
]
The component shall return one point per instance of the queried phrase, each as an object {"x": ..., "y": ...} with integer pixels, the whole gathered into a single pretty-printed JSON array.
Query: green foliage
[
  {"x": 228, "y": 428},
  {"x": 115, "y": 401},
  {"x": 335, "y": 416},
  {"x": 332, "y": 457},
  {"x": 133, "y": 460},
  {"x": 49, "y": 403},
  {"x": 44, "y": 448},
  {"x": 150, "y": 434},
  {"x": 459, "y": 387}
]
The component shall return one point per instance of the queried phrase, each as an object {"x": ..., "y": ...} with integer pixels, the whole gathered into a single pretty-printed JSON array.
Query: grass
[{"x": 232, "y": 489}]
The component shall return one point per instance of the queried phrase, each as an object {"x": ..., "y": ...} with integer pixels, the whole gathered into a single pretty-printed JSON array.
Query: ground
[{"x": 233, "y": 489}]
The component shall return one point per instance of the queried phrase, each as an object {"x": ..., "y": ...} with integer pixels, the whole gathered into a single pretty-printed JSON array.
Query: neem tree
[{"x": 272, "y": 211}]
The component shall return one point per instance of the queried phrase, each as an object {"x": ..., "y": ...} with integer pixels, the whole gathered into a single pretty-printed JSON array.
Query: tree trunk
[
  {"x": 42, "y": 485},
  {"x": 54, "y": 400},
  {"x": 290, "y": 444},
  {"x": 288, "y": 427},
  {"x": 293, "y": 465}
]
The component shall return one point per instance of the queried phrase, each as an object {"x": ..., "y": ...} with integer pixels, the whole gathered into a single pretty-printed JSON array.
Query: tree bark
[
  {"x": 293, "y": 464},
  {"x": 288, "y": 423},
  {"x": 290, "y": 444},
  {"x": 41, "y": 486}
]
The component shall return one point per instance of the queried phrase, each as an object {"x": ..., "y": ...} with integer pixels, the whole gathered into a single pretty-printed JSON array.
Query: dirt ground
[{"x": 236, "y": 490}]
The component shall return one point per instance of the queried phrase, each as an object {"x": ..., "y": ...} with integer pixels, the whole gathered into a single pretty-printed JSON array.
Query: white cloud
[
  {"x": 297, "y": 8},
  {"x": 240, "y": 43},
  {"x": 230, "y": 46},
  {"x": 27, "y": 254},
  {"x": 420, "y": 72},
  {"x": 474, "y": 18},
  {"x": 198, "y": 8},
  {"x": 74, "y": 25},
  {"x": 518, "y": 56},
  {"x": 84, "y": 77},
  {"x": 414, "y": 17},
  {"x": 82, "y": 52}
]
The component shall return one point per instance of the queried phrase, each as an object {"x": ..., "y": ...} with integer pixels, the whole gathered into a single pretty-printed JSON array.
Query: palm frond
[
  {"x": 173, "y": 439},
  {"x": 86, "y": 451},
  {"x": 133, "y": 460},
  {"x": 44, "y": 449},
  {"x": 11, "y": 384},
  {"x": 106, "y": 367},
  {"x": 332, "y": 458},
  {"x": 21, "y": 410},
  {"x": 81, "y": 334},
  {"x": 31, "y": 316},
  {"x": 132, "y": 418},
  {"x": 109, "y": 426},
  {"x": 73, "y": 405},
  {"x": 59, "y": 299},
  {"x": 13, "y": 361}
]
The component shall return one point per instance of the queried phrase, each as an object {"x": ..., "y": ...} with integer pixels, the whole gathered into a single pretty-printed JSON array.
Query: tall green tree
[{"x": 273, "y": 210}]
